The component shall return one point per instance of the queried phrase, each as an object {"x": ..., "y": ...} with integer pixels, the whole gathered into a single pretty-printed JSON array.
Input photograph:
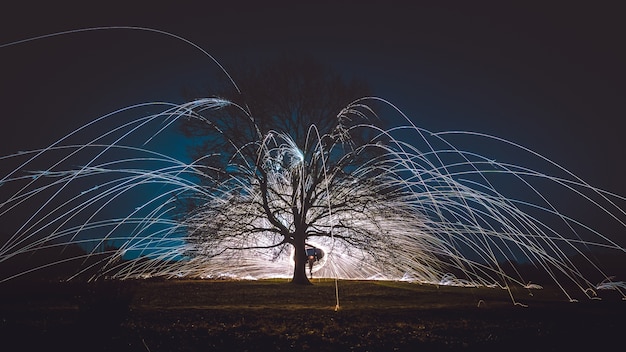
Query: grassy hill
[{"x": 195, "y": 315}]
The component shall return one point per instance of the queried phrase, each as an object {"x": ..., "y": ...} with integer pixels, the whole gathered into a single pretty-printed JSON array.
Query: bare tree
[{"x": 283, "y": 161}]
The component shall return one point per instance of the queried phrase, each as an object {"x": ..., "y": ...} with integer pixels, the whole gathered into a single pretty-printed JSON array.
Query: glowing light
[
  {"x": 608, "y": 284},
  {"x": 451, "y": 218}
]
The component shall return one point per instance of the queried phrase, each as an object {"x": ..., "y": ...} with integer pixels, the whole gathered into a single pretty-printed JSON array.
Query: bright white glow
[{"x": 452, "y": 226}]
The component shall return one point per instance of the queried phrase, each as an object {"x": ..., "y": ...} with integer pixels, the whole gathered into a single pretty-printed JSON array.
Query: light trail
[{"x": 421, "y": 209}]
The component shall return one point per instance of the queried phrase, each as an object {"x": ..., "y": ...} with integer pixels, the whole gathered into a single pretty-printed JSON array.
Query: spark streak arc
[{"x": 397, "y": 203}]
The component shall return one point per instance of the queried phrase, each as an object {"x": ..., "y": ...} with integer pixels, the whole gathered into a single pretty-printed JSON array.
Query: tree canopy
[{"x": 285, "y": 159}]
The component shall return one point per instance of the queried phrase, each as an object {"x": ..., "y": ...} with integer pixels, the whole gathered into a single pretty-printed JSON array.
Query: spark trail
[{"x": 405, "y": 204}]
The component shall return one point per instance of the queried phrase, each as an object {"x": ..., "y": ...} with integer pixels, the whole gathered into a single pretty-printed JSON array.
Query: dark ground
[{"x": 273, "y": 315}]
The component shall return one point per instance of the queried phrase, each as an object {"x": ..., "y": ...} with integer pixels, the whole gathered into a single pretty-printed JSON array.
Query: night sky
[{"x": 550, "y": 77}]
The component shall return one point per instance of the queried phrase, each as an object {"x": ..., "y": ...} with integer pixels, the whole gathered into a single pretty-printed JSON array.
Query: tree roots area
[{"x": 274, "y": 315}]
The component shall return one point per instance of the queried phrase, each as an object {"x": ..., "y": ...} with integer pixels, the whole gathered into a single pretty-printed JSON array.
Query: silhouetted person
[{"x": 312, "y": 260}]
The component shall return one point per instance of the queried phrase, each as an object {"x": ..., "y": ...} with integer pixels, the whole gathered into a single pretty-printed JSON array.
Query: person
[{"x": 312, "y": 260}]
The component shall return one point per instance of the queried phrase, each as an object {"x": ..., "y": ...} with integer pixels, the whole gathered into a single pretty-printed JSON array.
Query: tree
[{"x": 285, "y": 158}]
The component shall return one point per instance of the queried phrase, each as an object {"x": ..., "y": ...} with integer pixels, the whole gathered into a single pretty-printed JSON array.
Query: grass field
[{"x": 194, "y": 315}]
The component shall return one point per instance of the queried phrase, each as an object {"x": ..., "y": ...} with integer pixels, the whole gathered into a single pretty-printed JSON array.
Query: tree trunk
[{"x": 300, "y": 259}]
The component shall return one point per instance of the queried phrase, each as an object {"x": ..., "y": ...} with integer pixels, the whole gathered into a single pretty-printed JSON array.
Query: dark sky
[{"x": 548, "y": 76}]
